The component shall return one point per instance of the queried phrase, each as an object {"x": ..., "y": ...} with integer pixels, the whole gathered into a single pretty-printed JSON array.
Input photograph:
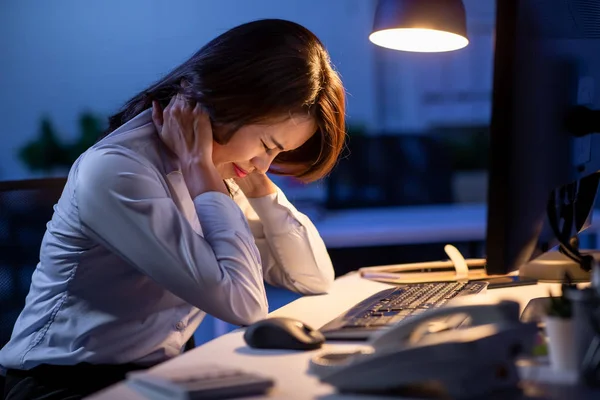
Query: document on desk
[
  {"x": 423, "y": 272},
  {"x": 203, "y": 382}
]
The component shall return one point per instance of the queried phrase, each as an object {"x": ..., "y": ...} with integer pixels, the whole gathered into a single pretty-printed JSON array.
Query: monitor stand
[{"x": 551, "y": 267}]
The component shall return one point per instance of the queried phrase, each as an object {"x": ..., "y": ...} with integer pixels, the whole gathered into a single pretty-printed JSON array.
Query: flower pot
[{"x": 561, "y": 343}]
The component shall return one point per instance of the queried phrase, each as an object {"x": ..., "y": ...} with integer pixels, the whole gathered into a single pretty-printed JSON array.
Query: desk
[
  {"x": 408, "y": 225},
  {"x": 289, "y": 368}
]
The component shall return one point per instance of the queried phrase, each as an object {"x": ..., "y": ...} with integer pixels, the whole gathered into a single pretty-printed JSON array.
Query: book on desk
[
  {"x": 441, "y": 271},
  {"x": 424, "y": 272}
]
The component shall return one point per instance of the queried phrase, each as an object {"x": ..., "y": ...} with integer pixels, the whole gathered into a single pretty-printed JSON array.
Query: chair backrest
[{"x": 25, "y": 208}]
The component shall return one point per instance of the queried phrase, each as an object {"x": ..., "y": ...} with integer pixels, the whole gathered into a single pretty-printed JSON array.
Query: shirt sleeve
[
  {"x": 293, "y": 253},
  {"x": 124, "y": 204}
]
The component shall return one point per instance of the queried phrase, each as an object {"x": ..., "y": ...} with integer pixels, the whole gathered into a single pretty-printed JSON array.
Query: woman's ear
[{"x": 184, "y": 83}]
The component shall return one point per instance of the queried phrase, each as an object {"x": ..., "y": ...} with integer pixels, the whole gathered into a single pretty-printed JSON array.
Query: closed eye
[{"x": 267, "y": 149}]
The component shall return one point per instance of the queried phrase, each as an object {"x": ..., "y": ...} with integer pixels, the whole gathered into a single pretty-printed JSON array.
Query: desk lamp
[{"x": 420, "y": 25}]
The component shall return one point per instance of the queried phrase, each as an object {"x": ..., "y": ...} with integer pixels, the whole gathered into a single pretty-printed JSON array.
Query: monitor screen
[{"x": 546, "y": 62}]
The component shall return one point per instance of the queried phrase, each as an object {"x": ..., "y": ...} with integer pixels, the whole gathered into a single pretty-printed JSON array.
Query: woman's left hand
[{"x": 256, "y": 184}]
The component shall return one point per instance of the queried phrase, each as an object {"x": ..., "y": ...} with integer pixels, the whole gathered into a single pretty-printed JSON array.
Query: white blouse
[{"x": 130, "y": 263}]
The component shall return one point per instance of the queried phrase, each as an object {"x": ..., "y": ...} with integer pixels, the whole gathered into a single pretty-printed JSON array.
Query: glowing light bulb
[{"x": 418, "y": 40}]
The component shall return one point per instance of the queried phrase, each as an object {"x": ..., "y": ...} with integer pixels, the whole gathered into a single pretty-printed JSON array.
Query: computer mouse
[{"x": 283, "y": 333}]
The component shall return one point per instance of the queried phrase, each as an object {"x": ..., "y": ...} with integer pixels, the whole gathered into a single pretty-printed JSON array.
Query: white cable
[{"x": 460, "y": 265}]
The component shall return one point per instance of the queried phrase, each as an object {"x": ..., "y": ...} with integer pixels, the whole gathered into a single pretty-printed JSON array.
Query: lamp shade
[{"x": 420, "y": 25}]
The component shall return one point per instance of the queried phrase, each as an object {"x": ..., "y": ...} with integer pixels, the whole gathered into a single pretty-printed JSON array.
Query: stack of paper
[{"x": 434, "y": 271}]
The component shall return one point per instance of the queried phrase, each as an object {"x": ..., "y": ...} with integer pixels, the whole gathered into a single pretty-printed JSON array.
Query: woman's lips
[{"x": 238, "y": 171}]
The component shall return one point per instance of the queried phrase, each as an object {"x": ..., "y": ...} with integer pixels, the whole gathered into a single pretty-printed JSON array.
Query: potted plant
[
  {"x": 49, "y": 156},
  {"x": 560, "y": 331}
]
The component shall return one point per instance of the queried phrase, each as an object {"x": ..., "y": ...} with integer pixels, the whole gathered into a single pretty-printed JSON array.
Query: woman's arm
[
  {"x": 292, "y": 251},
  {"x": 124, "y": 205}
]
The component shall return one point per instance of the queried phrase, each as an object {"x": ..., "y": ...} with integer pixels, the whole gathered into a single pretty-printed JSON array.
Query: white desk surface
[
  {"x": 445, "y": 223},
  {"x": 289, "y": 368}
]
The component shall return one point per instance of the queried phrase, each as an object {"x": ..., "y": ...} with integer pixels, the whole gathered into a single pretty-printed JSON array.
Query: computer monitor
[{"x": 544, "y": 155}]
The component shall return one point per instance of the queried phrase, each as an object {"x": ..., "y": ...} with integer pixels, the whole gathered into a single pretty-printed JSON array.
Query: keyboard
[{"x": 390, "y": 306}]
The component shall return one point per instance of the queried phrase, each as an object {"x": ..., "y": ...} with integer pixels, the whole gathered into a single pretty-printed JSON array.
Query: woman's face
[{"x": 253, "y": 147}]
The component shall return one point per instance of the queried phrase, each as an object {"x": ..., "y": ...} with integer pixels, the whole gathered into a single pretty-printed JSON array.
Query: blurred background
[
  {"x": 67, "y": 65},
  {"x": 417, "y": 123},
  {"x": 421, "y": 120}
]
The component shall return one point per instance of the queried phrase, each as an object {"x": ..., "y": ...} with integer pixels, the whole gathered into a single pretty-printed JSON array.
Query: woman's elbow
[
  {"x": 239, "y": 306},
  {"x": 320, "y": 285},
  {"x": 247, "y": 309},
  {"x": 248, "y": 315},
  {"x": 325, "y": 285}
]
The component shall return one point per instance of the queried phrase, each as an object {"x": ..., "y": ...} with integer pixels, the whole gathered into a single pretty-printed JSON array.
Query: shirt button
[{"x": 180, "y": 326}]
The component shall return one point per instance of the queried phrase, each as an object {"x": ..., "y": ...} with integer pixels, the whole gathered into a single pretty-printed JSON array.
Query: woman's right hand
[{"x": 185, "y": 130}]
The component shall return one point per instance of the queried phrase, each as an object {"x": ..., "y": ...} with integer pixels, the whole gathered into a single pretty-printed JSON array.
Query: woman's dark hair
[{"x": 255, "y": 72}]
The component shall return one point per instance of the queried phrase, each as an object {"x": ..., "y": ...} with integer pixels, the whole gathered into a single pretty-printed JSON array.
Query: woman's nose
[{"x": 262, "y": 163}]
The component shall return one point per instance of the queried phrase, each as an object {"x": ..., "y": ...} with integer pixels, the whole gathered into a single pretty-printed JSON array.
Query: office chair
[{"x": 25, "y": 208}]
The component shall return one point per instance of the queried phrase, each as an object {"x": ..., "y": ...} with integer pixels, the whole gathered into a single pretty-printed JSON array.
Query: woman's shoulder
[
  {"x": 107, "y": 163},
  {"x": 109, "y": 174},
  {"x": 110, "y": 157},
  {"x": 126, "y": 148}
]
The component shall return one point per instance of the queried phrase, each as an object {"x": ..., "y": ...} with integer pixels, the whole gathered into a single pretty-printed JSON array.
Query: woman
[{"x": 171, "y": 216}]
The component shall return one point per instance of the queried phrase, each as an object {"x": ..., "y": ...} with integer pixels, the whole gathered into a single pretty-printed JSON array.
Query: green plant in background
[
  {"x": 560, "y": 306},
  {"x": 47, "y": 153},
  {"x": 90, "y": 127}
]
